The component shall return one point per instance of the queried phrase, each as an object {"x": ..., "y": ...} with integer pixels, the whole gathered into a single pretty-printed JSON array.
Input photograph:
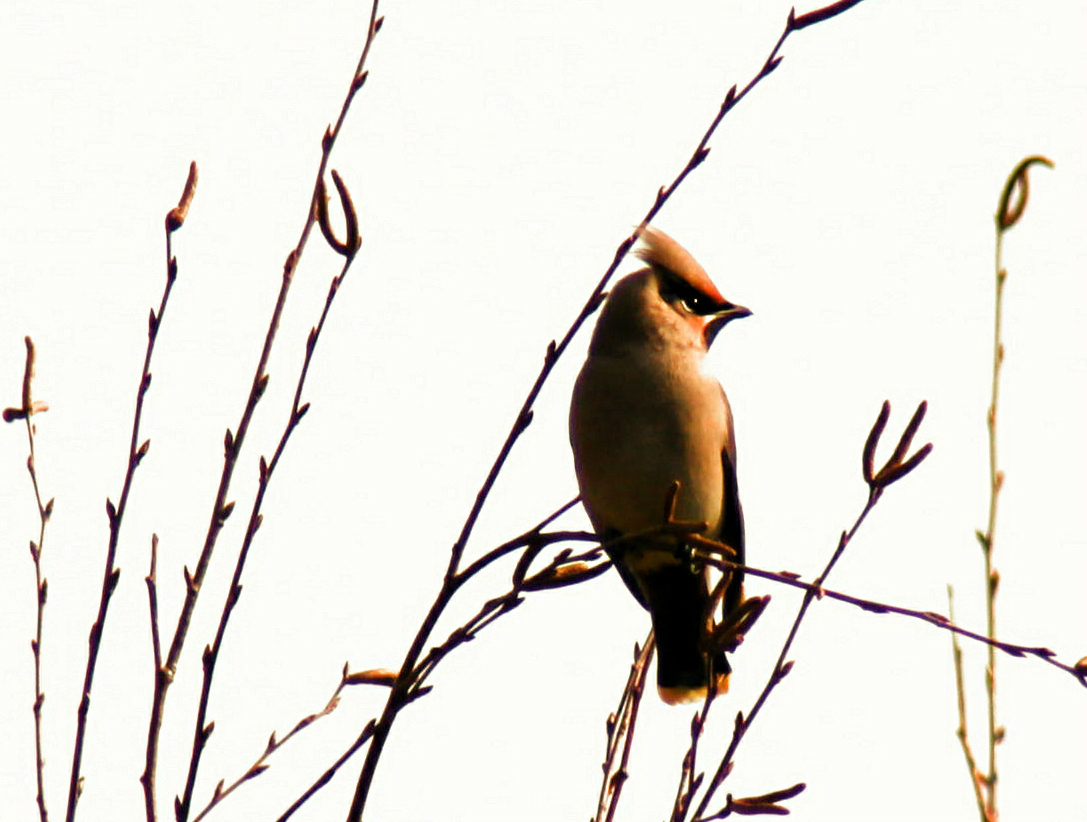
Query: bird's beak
[{"x": 720, "y": 319}]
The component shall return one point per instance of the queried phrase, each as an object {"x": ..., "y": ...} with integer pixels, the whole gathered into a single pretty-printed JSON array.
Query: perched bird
[{"x": 645, "y": 414}]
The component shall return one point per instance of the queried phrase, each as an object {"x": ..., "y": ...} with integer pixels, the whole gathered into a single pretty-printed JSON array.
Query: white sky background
[{"x": 498, "y": 155}]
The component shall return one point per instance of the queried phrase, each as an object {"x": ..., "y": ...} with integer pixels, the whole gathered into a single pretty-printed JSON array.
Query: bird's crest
[{"x": 661, "y": 251}]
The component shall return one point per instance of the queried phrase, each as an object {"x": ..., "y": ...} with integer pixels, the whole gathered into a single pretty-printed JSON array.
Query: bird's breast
[{"x": 639, "y": 424}]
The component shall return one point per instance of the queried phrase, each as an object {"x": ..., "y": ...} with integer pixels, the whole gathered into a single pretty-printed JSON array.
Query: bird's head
[{"x": 672, "y": 303}]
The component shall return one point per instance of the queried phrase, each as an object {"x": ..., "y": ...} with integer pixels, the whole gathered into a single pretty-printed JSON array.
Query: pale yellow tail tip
[
  {"x": 681, "y": 696},
  {"x": 684, "y": 696}
]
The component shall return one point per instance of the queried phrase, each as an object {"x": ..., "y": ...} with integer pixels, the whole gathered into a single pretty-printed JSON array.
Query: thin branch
[
  {"x": 620, "y": 729},
  {"x": 267, "y": 468},
  {"x": 27, "y": 409},
  {"x": 689, "y": 782},
  {"x": 564, "y": 569},
  {"x": 706, "y": 551},
  {"x": 221, "y": 508},
  {"x": 992, "y": 577},
  {"x": 977, "y": 778},
  {"x": 1009, "y": 211},
  {"x": 878, "y": 482},
  {"x": 261, "y": 764},
  {"x": 153, "y": 604},
  {"x": 136, "y": 452},
  {"x": 326, "y": 777},
  {"x": 524, "y": 416}
]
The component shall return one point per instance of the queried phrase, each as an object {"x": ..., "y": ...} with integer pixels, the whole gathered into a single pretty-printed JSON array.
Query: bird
[{"x": 646, "y": 415}]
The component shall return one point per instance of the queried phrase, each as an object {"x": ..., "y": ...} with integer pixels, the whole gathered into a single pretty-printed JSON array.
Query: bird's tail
[{"x": 678, "y": 604}]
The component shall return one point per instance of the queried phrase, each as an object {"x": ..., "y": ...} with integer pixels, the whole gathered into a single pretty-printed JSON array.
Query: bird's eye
[
  {"x": 687, "y": 298},
  {"x": 695, "y": 303}
]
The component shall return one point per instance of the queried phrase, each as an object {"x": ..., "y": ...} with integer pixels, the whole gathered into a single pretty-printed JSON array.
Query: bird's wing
[
  {"x": 732, "y": 516},
  {"x": 625, "y": 571}
]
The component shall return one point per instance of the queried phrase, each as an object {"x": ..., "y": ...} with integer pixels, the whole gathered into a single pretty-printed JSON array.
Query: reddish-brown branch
[
  {"x": 407, "y": 685},
  {"x": 621, "y": 726},
  {"x": 25, "y": 411},
  {"x": 136, "y": 452},
  {"x": 267, "y": 468},
  {"x": 326, "y": 777},
  {"x": 709, "y": 555},
  {"x": 689, "y": 780},
  {"x": 221, "y": 508},
  {"x": 222, "y": 791},
  {"x": 878, "y": 482}
]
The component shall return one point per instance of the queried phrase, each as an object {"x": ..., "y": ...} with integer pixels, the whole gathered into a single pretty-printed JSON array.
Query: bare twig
[
  {"x": 977, "y": 778},
  {"x": 261, "y": 764},
  {"x": 408, "y": 685},
  {"x": 153, "y": 603},
  {"x": 267, "y": 468},
  {"x": 895, "y": 468},
  {"x": 764, "y": 804},
  {"x": 136, "y": 452},
  {"x": 324, "y": 778},
  {"x": 620, "y": 727},
  {"x": 222, "y": 509},
  {"x": 551, "y": 356},
  {"x": 707, "y": 550},
  {"x": 1008, "y": 213},
  {"x": 689, "y": 780},
  {"x": 564, "y": 569},
  {"x": 27, "y": 409}
]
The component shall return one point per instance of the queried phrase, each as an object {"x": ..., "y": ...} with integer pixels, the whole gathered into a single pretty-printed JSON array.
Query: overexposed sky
[{"x": 498, "y": 154}]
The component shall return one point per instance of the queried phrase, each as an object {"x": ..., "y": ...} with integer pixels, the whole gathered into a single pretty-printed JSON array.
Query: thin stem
[
  {"x": 136, "y": 453},
  {"x": 211, "y": 655},
  {"x": 781, "y": 667},
  {"x": 896, "y": 467},
  {"x": 621, "y": 727},
  {"x": 222, "y": 791},
  {"x": 976, "y": 779},
  {"x": 996, "y": 480},
  {"x": 326, "y": 777},
  {"x": 40, "y": 584},
  {"x": 222, "y": 509},
  {"x": 551, "y": 576},
  {"x": 1009, "y": 211},
  {"x": 689, "y": 782},
  {"x": 399, "y": 694},
  {"x": 874, "y": 607}
]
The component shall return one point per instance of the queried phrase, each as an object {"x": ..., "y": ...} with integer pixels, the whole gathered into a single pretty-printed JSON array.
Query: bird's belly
[{"x": 631, "y": 451}]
